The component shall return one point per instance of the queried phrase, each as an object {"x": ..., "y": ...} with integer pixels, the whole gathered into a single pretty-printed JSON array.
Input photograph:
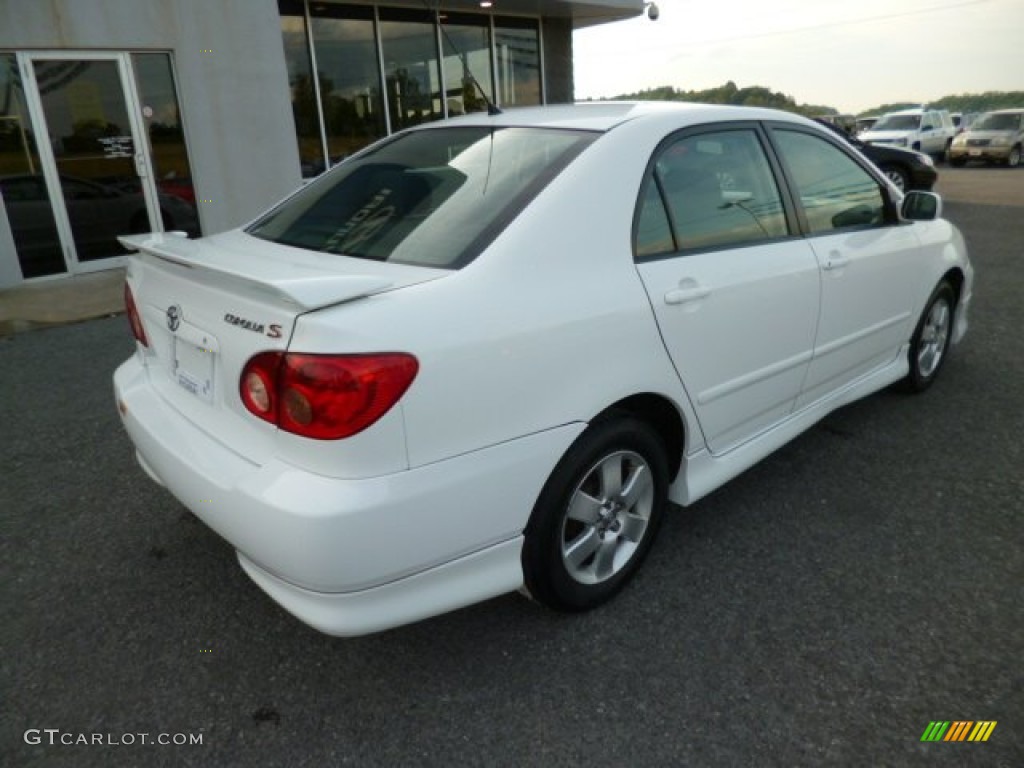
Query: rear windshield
[{"x": 432, "y": 198}]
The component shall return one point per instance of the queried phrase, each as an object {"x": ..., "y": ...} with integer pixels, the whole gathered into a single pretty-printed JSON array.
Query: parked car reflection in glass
[{"x": 98, "y": 213}]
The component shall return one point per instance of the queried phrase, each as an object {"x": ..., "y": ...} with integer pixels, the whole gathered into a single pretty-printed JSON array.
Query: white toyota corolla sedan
[{"x": 483, "y": 355}]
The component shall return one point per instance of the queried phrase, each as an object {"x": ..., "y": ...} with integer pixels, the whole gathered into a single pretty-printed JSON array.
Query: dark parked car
[{"x": 905, "y": 168}]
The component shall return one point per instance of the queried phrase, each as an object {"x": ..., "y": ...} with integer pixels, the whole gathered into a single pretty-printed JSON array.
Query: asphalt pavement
[{"x": 821, "y": 609}]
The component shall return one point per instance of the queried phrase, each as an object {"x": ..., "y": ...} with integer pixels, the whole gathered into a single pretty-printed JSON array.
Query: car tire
[
  {"x": 958, "y": 162},
  {"x": 931, "y": 339},
  {"x": 597, "y": 515},
  {"x": 897, "y": 176},
  {"x": 1013, "y": 159}
]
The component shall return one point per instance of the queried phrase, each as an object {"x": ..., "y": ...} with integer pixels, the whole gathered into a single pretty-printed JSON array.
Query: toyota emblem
[{"x": 173, "y": 317}]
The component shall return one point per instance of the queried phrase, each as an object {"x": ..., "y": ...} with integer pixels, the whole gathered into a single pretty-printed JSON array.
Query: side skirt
[{"x": 702, "y": 473}]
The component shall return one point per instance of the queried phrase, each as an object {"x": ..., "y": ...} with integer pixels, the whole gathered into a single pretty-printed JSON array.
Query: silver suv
[
  {"x": 995, "y": 137},
  {"x": 927, "y": 130}
]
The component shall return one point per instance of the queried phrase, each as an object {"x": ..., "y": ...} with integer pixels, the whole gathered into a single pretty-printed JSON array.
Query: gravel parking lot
[{"x": 823, "y": 608}]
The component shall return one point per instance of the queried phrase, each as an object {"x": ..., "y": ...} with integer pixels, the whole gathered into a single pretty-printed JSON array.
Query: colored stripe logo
[{"x": 958, "y": 730}]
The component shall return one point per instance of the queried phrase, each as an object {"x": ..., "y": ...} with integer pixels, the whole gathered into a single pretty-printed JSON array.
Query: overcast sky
[{"x": 849, "y": 54}]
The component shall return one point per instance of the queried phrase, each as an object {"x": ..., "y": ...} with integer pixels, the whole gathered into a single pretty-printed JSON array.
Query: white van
[{"x": 927, "y": 130}]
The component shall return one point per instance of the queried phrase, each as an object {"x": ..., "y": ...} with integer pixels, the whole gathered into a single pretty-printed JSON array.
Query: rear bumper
[
  {"x": 351, "y": 556},
  {"x": 470, "y": 579}
]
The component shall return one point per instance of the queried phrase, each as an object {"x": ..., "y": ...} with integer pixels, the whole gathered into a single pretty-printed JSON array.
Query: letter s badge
[{"x": 274, "y": 331}]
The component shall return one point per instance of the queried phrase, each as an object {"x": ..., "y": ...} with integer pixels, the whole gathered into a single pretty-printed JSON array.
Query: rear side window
[
  {"x": 835, "y": 192},
  {"x": 709, "y": 190},
  {"x": 432, "y": 198}
]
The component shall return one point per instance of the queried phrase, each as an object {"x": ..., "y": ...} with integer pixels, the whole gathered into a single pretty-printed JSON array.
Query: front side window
[
  {"x": 835, "y": 192},
  {"x": 706, "y": 191},
  {"x": 431, "y": 198}
]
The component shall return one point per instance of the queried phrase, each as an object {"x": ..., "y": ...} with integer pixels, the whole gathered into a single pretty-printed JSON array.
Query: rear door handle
[
  {"x": 835, "y": 260},
  {"x": 688, "y": 290}
]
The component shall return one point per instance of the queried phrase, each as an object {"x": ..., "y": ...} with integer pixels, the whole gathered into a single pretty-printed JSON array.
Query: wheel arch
[
  {"x": 955, "y": 277},
  {"x": 662, "y": 416}
]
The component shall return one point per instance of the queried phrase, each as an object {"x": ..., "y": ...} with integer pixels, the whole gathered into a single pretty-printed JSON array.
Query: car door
[
  {"x": 734, "y": 292},
  {"x": 870, "y": 262}
]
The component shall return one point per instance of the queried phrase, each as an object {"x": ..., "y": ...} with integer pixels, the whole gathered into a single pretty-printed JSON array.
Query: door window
[
  {"x": 90, "y": 133},
  {"x": 709, "y": 190},
  {"x": 835, "y": 192}
]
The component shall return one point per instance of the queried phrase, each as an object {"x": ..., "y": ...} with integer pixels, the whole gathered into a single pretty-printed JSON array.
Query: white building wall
[{"x": 235, "y": 99}]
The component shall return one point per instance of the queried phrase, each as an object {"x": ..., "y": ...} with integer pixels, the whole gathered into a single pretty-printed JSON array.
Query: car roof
[{"x": 605, "y": 115}]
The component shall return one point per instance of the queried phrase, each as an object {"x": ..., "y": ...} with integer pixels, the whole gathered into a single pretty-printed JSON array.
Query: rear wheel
[
  {"x": 930, "y": 342},
  {"x": 597, "y": 516}
]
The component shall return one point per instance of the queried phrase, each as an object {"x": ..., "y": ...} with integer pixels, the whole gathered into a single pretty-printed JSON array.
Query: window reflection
[
  {"x": 481, "y": 57},
  {"x": 300, "y": 81},
  {"x": 349, "y": 75},
  {"x": 518, "y": 52},
  {"x": 466, "y": 41},
  {"x": 169, "y": 155},
  {"x": 409, "y": 42},
  {"x": 21, "y": 181},
  {"x": 90, "y": 134}
]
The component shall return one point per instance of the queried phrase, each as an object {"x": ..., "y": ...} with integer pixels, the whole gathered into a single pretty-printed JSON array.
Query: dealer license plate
[{"x": 193, "y": 368}]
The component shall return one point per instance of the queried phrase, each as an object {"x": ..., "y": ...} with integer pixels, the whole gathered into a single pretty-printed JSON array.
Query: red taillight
[
  {"x": 327, "y": 397},
  {"x": 134, "y": 320}
]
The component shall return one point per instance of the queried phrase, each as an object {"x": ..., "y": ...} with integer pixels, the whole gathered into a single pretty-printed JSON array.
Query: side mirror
[{"x": 921, "y": 206}]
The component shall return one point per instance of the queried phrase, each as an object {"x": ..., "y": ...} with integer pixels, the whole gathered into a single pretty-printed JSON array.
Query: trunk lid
[{"x": 209, "y": 305}]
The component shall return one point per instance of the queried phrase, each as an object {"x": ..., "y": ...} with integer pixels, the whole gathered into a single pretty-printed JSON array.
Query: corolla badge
[{"x": 173, "y": 317}]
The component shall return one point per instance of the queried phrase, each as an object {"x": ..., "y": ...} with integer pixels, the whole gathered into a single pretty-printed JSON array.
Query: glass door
[{"x": 94, "y": 154}]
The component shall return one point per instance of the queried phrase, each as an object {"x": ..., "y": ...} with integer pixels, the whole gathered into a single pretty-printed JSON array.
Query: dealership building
[{"x": 121, "y": 116}]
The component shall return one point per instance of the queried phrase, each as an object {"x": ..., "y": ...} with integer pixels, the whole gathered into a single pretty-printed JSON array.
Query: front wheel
[
  {"x": 930, "y": 342},
  {"x": 897, "y": 176},
  {"x": 597, "y": 516},
  {"x": 1013, "y": 159}
]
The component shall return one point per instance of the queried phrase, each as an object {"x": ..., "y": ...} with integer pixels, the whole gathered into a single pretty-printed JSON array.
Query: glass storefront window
[
  {"x": 300, "y": 81},
  {"x": 22, "y": 185},
  {"x": 409, "y": 43},
  {"x": 169, "y": 155},
  {"x": 466, "y": 40},
  {"x": 481, "y": 57},
  {"x": 349, "y": 73},
  {"x": 349, "y": 78},
  {"x": 517, "y": 43}
]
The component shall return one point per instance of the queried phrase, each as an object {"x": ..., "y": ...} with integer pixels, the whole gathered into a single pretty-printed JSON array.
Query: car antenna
[{"x": 492, "y": 108}]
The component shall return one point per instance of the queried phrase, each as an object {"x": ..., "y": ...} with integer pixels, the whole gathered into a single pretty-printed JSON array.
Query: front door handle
[{"x": 688, "y": 290}]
